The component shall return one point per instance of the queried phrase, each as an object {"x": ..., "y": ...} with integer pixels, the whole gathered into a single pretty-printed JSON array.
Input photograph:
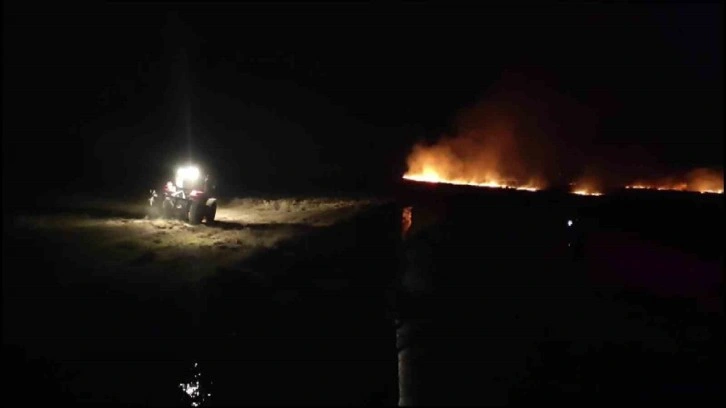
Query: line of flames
[
  {"x": 680, "y": 187},
  {"x": 432, "y": 178},
  {"x": 490, "y": 184},
  {"x": 587, "y": 192}
]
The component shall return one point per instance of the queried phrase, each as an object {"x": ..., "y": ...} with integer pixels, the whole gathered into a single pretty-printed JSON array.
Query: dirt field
[{"x": 243, "y": 227}]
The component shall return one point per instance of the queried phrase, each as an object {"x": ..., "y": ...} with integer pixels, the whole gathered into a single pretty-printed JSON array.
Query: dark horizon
[{"x": 326, "y": 97}]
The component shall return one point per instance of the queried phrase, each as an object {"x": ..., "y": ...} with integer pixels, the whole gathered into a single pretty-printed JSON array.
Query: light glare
[{"x": 186, "y": 174}]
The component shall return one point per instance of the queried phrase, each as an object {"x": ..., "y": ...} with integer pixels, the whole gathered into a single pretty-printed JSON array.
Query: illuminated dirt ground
[{"x": 243, "y": 228}]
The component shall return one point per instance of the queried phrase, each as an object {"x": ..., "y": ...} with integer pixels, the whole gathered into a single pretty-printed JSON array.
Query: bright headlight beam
[
  {"x": 190, "y": 173},
  {"x": 186, "y": 173}
]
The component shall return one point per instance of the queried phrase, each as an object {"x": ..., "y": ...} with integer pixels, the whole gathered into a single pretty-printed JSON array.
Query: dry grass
[
  {"x": 187, "y": 252},
  {"x": 311, "y": 211}
]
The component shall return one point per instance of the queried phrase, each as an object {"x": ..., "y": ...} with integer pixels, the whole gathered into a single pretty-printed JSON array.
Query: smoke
[
  {"x": 611, "y": 166},
  {"x": 480, "y": 151},
  {"x": 704, "y": 179},
  {"x": 524, "y": 134},
  {"x": 521, "y": 133}
]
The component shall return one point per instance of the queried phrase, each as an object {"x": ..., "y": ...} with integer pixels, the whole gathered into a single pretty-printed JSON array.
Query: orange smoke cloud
[
  {"x": 526, "y": 136},
  {"x": 705, "y": 181},
  {"x": 483, "y": 153},
  {"x": 516, "y": 138}
]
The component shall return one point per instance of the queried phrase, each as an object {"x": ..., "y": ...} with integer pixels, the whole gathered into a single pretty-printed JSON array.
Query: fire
[
  {"x": 587, "y": 192},
  {"x": 456, "y": 161},
  {"x": 587, "y": 185},
  {"x": 659, "y": 187},
  {"x": 494, "y": 143},
  {"x": 514, "y": 139},
  {"x": 679, "y": 187},
  {"x": 703, "y": 181},
  {"x": 432, "y": 177}
]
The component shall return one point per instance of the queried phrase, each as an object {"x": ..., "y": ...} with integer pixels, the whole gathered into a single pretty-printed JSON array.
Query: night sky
[{"x": 281, "y": 97}]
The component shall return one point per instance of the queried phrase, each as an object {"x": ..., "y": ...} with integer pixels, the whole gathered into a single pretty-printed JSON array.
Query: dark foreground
[
  {"x": 288, "y": 312},
  {"x": 506, "y": 302},
  {"x": 495, "y": 299}
]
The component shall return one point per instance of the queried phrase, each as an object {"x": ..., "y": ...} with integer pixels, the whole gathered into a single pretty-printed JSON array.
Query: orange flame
[
  {"x": 431, "y": 178},
  {"x": 587, "y": 185},
  {"x": 505, "y": 140},
  {"x": 439, "y": 164},
  {"x": 587, "y": 192}
]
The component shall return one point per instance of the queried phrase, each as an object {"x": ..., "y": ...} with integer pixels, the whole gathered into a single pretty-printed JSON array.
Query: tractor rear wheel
[
  {"x": 196, "y": 212},
  {"x": 211, "y": 213}
]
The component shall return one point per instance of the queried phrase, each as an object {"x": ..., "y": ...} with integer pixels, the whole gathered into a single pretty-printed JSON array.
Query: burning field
[
  {"x": 473, "y": 161},
  {"x": 500, "y": 209},
  {"x": 516, "y": 139},
  {"x": 699, "y": 180},
  {"x": 484, "y": 151}
]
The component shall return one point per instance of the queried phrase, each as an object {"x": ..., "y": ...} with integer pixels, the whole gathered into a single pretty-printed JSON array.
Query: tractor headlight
[{"x": 186, "y": 175}]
